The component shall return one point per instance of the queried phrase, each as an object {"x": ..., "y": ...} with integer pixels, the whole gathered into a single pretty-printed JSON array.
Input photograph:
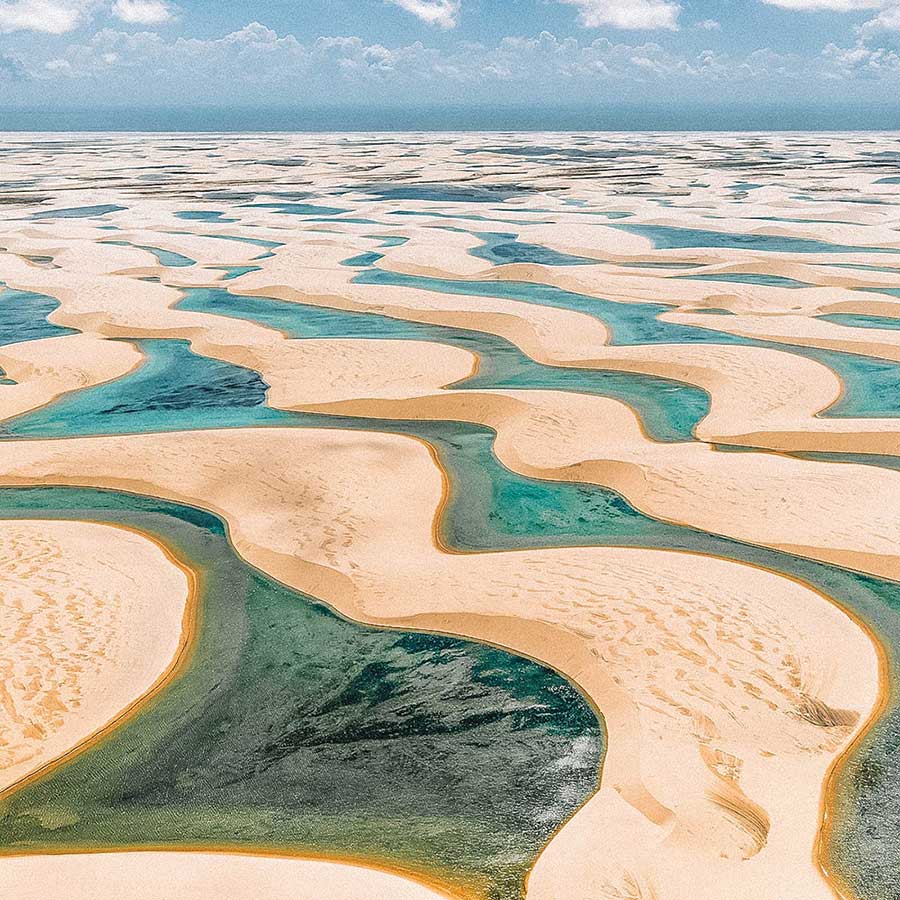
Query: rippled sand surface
[{"x": 592, "y": 446}]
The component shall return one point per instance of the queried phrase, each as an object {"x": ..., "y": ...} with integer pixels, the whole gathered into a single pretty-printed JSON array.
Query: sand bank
[
  {"x": 92, "y": 617},
  {"x": 46, "y": 369},
  {"x": 200, "y": 876}
]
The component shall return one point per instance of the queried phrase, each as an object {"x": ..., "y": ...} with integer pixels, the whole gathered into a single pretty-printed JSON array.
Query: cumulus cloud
[
  {"x": 434, "y": 12},
  {"x": 257, "y": 53},
  {"x": 860, "y": 61},
  {"x": 629, "y": 14},
  {"x": 258, "y": 59},
  {"x": 887, "y": 20},
  {"x": 143, "y": 12},
  {"x": 708, "y": 25},
  {"x": 47, "y": 16}
]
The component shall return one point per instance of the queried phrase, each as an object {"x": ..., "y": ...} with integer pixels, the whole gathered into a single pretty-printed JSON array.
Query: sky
[{"x": 504, "y": 61}]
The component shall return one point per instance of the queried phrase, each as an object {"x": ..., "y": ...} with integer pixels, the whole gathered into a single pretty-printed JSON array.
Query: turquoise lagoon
[
  {"x": 492, "y": 508},
  {"x": 871, "y": 386}
]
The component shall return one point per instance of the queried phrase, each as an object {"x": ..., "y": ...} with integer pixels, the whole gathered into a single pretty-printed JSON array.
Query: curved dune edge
[
  {"x": 710, "y": 765},
  {"x": 202, "y": 876},
  {"x": 829, "y": 804},
  {"x": 105, "y": 591},
  {"x": 46, "y": 369},
  {"x": 98, "y": 304},
  {"x": 787, "y": 430},
  {"x": 837, "y": 514},
  {"x": 762, "y": 398}
]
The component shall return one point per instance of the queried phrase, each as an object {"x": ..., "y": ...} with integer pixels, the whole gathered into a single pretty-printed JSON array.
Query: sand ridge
[{"x": 583, "y": 603}]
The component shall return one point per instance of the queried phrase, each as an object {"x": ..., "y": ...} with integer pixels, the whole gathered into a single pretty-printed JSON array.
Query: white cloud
[
  {"x": 860, "y": 61},
  {"x": 887, "y": 20},
  {"x": 631, "y": 14},
  {"x": 257, "y": 61},
  {"x": 47, "y": 16},
  {"x": 708, "y": 25},
  {"x": 434, "y": 12},
  {"x": 143, "y": 12}
]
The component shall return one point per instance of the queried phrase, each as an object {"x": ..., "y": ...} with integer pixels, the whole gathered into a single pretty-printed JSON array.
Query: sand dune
[
  {"x": 727, "y": 691},
  {"x": 92, "y": 616},
  {"x": 200, "y": 876},
  {"x": 785, "y": 393},
  {"x": 708, "y": 694},
  {"x": 46, "y": 369}
]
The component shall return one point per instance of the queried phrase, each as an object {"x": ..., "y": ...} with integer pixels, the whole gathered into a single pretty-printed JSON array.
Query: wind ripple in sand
[{"x": 722, "y": 719}]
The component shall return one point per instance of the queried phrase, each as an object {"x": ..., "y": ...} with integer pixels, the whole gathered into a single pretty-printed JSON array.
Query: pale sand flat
[
  {"x": 297, "y": 370},
  {"x": 802, "y": 331},
  {"x": 313, "y": 374},
  {"x": 92, "y": 616},
  {"x": 759, "y": 397},
  {"x": 551, "y": 336},
  {"x": 433, "y": 252},
  {"x": 310, "y": 374},
  {"x": 664, "y": 805},
  {"x": 200, "y": 876},
  {"x": 49, "y": 368},
  {"x": 684, "y": 288},
  {"x": 708, "y": 672}
]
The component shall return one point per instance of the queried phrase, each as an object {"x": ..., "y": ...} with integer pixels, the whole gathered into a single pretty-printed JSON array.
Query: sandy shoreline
[
  {"x": 72, "y": 588},
  {"x": 202, "y": 876}
]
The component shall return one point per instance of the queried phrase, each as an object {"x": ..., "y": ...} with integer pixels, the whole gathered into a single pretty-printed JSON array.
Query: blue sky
[{"x": 467, "y": 53}]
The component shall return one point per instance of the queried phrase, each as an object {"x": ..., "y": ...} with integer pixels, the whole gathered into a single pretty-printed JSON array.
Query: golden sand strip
[
  {"x": 200, "y": 876},
  {"x": 94, "y": 618},
  {"x": 722, "y": 718}
]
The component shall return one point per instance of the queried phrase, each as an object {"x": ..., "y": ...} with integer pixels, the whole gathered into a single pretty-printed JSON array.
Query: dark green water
[
  {"x": 294, "y": 729},
  {"x": 489, "y": 508}
]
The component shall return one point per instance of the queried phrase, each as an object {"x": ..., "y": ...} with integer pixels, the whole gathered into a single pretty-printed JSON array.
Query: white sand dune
[
  {"x": 729, "y": 693},
  {"x": 91, "y": 617},
  {"x": 200, "y": 876},
  {"x": 720, "y": 714}
]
